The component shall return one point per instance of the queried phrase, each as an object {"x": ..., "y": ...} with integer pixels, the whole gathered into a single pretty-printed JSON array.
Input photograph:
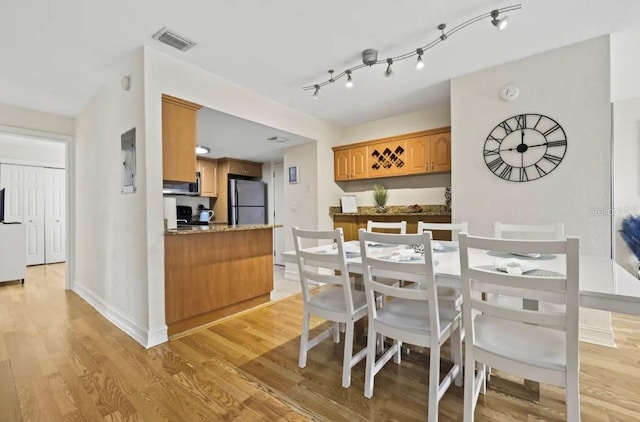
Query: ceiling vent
[
  {"x": 173, "y": 39},
  {"x": 278, "y": 139}
]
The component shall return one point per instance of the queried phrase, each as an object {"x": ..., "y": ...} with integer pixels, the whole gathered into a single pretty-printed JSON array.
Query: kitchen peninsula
[{"x": 214, "y": 271}]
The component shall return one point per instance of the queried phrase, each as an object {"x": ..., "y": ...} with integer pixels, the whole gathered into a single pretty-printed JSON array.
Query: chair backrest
[
  {"x": 399, "y": 225},
  {"x": 528, "y": 231},
  {"x": 418, "y": 271},
  {"x": 323, "y": 264},
  {"x": 455, "y": 228},
  {"x": 558, "y": 287}
]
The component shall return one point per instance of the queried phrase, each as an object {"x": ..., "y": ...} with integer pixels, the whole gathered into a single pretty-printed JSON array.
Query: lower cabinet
[{"x": 350, "y": 224}]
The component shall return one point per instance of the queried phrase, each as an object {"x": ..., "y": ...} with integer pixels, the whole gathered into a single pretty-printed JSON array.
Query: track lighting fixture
[
  {"x": 419, "y": 62},
  {"x": 370, "y": 55},
  {"x": 501, "y": 23},
  {"x": 389, "y": 72},
  {"x": 349, "y": 83}
]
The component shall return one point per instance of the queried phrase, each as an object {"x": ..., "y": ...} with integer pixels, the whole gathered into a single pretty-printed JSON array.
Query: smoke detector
[
  {"x": 278, "y": 139},
  {"x": 173, "y": 39}
]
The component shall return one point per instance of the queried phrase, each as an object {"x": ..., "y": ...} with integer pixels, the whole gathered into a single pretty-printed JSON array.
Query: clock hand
[{"x": 528, "y": 146}]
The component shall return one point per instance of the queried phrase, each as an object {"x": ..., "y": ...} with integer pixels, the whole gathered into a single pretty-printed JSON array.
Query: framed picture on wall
[{"x": 293, "y": 174}]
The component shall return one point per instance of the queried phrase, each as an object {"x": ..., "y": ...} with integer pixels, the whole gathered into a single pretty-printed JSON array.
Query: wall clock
[{"x": 525, "y": 147}]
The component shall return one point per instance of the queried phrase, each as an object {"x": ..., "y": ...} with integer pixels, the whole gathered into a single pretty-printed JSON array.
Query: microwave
[{"x": 181, "y": 188}]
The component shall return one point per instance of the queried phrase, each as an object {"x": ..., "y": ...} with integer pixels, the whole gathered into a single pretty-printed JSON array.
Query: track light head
[
  {"x": 419, "y": 62},
  {"x": 501, "y": 23},
  {"x": 389, "y": 72},
  {"x": 316, "y": 92},
  {"x": 349, "y": 83}
]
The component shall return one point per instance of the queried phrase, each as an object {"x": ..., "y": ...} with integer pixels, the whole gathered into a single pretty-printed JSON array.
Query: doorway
[{"x": 278, "y": 212}]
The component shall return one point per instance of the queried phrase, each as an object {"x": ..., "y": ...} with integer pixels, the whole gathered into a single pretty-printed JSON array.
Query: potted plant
[
  {"x": 630, "y": 232},
  {"x": 380, "y": 198}
]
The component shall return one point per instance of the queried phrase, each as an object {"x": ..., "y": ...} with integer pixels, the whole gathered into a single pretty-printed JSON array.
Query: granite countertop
[
  {"x": 401, "y": 210},
  {"x": 216, "y": 228}
]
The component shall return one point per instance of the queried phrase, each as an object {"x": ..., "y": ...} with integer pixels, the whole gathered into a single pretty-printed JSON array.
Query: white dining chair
[
  {"x": 537, "y": 345},
  {"x": 455, "y": 228},
  {"x": 528, "y": 231},
  {"x": 447, "y": 295},
  {"x": 373, "y": 226},
  {"x": 408, "y": 315},
  {"x": 337, "y": 303}
]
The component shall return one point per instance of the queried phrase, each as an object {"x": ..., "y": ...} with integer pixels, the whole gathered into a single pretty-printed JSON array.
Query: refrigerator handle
[{"x": 235, "y": 209}]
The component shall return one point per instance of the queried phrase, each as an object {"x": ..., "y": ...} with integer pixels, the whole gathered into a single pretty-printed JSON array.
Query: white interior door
[
  {"x": 34, "y": 213},
  {"x": 11, "y": 178},
  {"x": 54, "y": 211},
  {"x": 278, "y": 208}
]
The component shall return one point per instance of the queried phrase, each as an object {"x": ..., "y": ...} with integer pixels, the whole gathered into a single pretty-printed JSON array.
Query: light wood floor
[{"x": 60, "y": 360}]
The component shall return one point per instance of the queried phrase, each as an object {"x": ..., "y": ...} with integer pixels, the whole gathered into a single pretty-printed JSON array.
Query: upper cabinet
[
  {"x": 178, "y": 139},
  {"x": 350, "y": 163},
  {"x": 413, "y": 153},
  {"x": 429, "y": 153},
  {"x": 244, "y": 168},
  {"x": 208, "y": 170}
]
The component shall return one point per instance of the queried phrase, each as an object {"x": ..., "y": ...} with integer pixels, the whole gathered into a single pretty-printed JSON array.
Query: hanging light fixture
[
  {"x": 349, "y": 83},
  {"x": 419, "y": 62},
  {"x": 389, "y": 72},
  {"x": 370, "y": 55},
  {"x": 501, "y": 23},
  {"x": 202, "y": 150}
]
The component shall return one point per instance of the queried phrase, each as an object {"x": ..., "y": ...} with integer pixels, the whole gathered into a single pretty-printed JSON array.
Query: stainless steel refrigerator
[{"x": 247, "y": 202}]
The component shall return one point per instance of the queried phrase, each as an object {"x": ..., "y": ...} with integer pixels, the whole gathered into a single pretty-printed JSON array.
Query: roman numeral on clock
[
  {"x": 551, "y": 130},
  {"x": 495, "y": 164},
  {"x": 561, "y": 143},
  {"x": 521, "y": 121},
  {"x": 506, "y": 172},
  {"x": 490, "y": 152},
  {"x": 553, "y": 159},
  {"x": 505, "y": 125}
]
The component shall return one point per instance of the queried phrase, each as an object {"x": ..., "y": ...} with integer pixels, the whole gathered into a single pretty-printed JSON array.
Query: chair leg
[
  {"x": 482, "y": 369},
  {"x": 370, "y": 363},
  {"x": 397, "y": 358},
  {"x": 456, "y": 353},
  {"x": 469, "y": 387},
  {"x": 336, "y": 332},
  {"x": 572, "y": 394},
  {"x": 434, "y": 382},
  {"x": 304, "y": 340},
  {"x": 348, "y": 355}
]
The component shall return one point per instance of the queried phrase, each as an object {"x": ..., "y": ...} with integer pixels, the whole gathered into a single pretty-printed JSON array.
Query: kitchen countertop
[
  {"x": 400, "y": 210},
  {"x": 216, "y": 228}
]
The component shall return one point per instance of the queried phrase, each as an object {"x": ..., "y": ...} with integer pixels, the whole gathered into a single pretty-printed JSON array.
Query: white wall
[
  {"x": 557, "y": 84},
  {"x": 111, "y": 250},
  {"x": 22, "y": 149},
  {"x": 24, "y": 118},
  {"x": 572, "y": 86},
  {"x": 164, "y": 74},
  {"x": 625, "y": 65},
  {"x": 423, "y": 189}
]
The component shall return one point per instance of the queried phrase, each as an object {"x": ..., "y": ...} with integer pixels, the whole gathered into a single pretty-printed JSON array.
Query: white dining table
[{"x": 604, "y": 284}]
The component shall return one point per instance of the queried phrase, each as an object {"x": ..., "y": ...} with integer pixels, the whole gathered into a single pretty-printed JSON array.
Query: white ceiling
[
  {"x": 56, "y": 55},
  {"x": 230, "y": 136}
]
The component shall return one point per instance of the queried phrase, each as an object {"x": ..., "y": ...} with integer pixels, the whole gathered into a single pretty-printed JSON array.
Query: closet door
[
  {"x": 34, "y": 213},
  {"x": 12, "y": 178},
  {"x": 54, "y": 221}
]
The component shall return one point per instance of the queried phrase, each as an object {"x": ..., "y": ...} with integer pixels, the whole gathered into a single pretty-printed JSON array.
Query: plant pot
[{"x": 381, "y": 209}]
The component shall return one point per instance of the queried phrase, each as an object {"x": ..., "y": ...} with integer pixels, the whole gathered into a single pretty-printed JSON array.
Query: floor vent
[{"x": 173, "y": 39}]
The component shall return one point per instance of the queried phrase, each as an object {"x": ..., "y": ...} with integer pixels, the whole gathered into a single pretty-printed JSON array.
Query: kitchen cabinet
[
  {"x": 350, "y": 163},
  {"x": 232, "y": 167},
  {"x": 208, "y": 170},
  {"x": 409, "y": 154},
  {"x": 429, "y": 153},
  {"x": 178, "y": 139},
  {"x": 244, "y": 168}
]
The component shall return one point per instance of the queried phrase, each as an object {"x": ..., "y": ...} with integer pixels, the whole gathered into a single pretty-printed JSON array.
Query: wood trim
[
  {"x": 181, "y": 102},
  {"x": 394, "y": 138}
]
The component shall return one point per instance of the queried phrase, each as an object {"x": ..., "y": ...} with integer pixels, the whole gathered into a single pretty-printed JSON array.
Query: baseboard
[
  {"x": 595, "y": 335},
  {"x": 146, "y": 338},
  {"x": 291, "y": 275}
]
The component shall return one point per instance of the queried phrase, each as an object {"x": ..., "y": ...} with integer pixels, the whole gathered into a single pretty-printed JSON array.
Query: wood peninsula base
[{"x": 215, "y": 272}]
